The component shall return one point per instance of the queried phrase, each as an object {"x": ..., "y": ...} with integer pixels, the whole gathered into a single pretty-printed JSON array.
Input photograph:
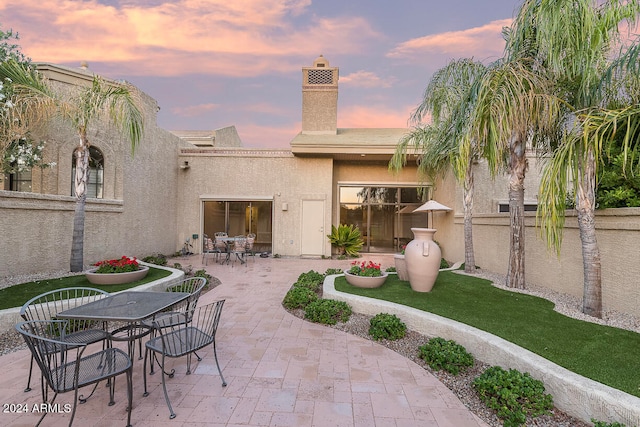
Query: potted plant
[
  {"x": 347, "y": 239},
  {"x": 116, "y": 271},
  {"x": 365, "y": 274},
  {"x": 401, "y": 265}
]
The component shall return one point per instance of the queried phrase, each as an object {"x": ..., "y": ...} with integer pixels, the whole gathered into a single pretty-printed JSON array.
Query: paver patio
[{"x": 280, "y": 370}]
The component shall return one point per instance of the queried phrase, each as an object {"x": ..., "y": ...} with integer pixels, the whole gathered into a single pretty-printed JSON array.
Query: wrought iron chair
[
  {"x": 184, "y": 340},
  {"x": 208, "y": 248},
  {"x": 248, "y": 250},
  {"x": 181, "y": 313},
  {"x": 239, "y": 248},
  {"x": 47, "y": 305},
  {"x": 65, "y": 367}
]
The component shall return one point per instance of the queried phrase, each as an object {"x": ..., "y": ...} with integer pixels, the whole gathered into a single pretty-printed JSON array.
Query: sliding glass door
[{"x": 240, "y": 218}]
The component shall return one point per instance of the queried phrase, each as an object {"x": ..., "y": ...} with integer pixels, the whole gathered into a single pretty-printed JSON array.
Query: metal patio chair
[
  {"x": 66, "y": 368},
  {"x": 181, "y": 313},
  {"x": 184, "y": 340},
  {"x": 47, "y": 305},
  {"x": 248, "y": 250}
]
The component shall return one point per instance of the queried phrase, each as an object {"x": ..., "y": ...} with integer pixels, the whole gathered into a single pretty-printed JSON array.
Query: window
[
  {"x": 528, "y": 207},
  {"x": 383, "y": 214},
  {"x": 18, "y": 181},
  {"x": 96, "y": 173}
]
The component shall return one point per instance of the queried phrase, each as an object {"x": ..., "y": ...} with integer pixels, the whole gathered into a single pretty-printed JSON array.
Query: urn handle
[{"x": 425, "y": 248}]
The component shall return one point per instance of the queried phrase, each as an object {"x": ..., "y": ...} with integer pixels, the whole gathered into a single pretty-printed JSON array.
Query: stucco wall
[
  {"x": 136, "y": 217},
  {"x": 253, "y": 174},
  {"x": 617, "y": 231}
]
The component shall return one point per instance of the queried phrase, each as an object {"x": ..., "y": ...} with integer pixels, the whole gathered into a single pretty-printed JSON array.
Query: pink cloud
[
  {"x": 238, "y": 38},
  {"x": 365, "y": 79},
  {"x": 480, "y": 42}
]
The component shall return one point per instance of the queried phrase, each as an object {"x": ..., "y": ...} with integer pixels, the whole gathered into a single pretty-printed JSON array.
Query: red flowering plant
[
  {"x": 122, "y": 265},
  {"x": 403, "y": 248},
  {"x": 365, "y": 268}
]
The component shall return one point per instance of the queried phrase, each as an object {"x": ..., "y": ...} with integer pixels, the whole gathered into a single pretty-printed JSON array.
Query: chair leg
[
  {"x": 29, "y": 379},
  {"x": 129, "y": 394},
  {"x": 166, "y": 394},
  {"x": 215, "y": 355},
  {"x": 144, "y": 372},
  {"x": 44, "y": 413}
]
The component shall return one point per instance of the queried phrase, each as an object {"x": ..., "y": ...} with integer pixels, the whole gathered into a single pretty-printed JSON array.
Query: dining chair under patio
[
  {"x": 239, "y": 249},
  {"x": 248, "y": 249},
  {"x": 66, "y": 368},
  {"x": 209, "y": 248},
  {"x": 47, "y": 305},
  {"x": 184, "y": 340}
]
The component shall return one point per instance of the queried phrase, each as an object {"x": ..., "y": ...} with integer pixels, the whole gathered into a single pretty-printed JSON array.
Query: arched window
[{"x": 96, "y": 173}]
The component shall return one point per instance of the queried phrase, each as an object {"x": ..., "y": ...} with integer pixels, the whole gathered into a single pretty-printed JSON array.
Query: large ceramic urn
[{"x": 423, "y": 256}]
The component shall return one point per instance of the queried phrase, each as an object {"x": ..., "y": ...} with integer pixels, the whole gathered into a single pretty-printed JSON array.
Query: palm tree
[
  {"x": 574, "y": 41},
  {"x": 80, "y": 107},
  {"x": 449, "y": 100},
  {"x": 515, "y": 112}
]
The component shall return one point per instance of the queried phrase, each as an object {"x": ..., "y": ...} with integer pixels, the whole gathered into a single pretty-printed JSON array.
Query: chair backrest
[
  {"x": 45, "y": 339},
  {"x": 180, "y": 339},
  {"x": 239, "y": 243},
  {"x": 188, "y": 285},
  {"x": 47, "y": 305},
  {"x": 250, "y": 239},
  {"x": 207, "y": 244},
  {"x": 221, "y": 234},
  {"x": 193, "y": 286}
]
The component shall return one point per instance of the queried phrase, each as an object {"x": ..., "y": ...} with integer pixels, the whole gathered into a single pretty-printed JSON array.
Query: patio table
[
  {"x": 229, "y": 242},
  {"x": 129, "y": 307}
]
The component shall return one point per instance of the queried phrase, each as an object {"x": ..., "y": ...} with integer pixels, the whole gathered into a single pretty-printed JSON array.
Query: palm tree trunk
[
  {"x": 469, "y": 257},
  {"x": 518, "y": 167},
  {"x": 77, "y": 242},
  {"x": 80, "y": 184},
  {"x": 591, "y": 263}
]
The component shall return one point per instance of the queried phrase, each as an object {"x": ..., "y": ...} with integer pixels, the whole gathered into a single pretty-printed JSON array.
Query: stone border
[
  {"x": 575, "y": 395},
  {"x": 9, "y": 317}
]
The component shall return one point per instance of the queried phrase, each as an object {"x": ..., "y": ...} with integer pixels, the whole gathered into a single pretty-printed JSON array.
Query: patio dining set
[
  {"x": 224, "y": 248},
  {"x": 71, "y": 334}
]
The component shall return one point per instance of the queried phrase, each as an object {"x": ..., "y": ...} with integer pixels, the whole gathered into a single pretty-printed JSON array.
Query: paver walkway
[{"x": 280, "y": 370}]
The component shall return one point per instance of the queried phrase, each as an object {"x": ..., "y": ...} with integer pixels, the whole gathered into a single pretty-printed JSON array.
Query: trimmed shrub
[
  {"x": 327, "y": 311},
  {"x": 311, "y": 280},
  {"x": 299, "y": 297},
  {"x": 331, "y": 271},
  {"x": 387, "y": 326},
  {"x": 448, "y": 355},
  {"x": 512, "y": 394}
]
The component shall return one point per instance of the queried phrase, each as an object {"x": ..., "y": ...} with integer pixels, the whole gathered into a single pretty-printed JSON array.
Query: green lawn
[
  {"x": 602, "y": 353},
  {"x": 17, "y": 295}
]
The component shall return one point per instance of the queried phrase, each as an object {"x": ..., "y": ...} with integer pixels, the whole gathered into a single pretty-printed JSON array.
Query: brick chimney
[{"x": 320, "y": 98}]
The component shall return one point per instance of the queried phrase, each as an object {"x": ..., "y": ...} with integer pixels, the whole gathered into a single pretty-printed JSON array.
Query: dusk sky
[{"x": 217, "y": 63}]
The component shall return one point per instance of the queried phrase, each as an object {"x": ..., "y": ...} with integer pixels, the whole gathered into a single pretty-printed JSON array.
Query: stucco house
[{"x": 181, "y": 185}]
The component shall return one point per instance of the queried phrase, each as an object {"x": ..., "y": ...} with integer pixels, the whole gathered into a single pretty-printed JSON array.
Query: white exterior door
[{"x": 313, "y": 235}]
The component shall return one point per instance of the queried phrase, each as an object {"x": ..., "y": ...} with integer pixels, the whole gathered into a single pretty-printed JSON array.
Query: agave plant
[{"x": 347, "y": 239}]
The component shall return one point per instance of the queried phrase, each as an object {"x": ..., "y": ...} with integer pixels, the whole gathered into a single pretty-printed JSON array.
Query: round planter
[
  {"x": 401, "y": 267},
  {"x": 365, "y": 281},
  {"x": 423, "y": 256},
  {"x": 116, "y": 278}
]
